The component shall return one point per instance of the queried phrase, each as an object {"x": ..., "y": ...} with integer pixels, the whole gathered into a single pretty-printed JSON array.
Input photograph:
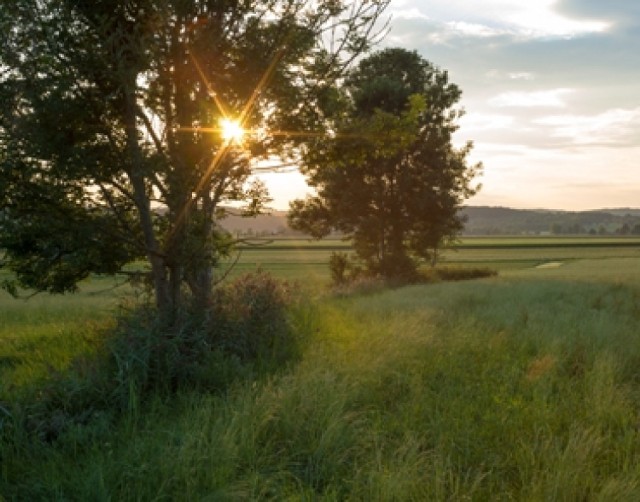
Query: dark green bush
[
  {"x": 344, "y": 269},
  {"x": 436, "y": 274},
  {"x": 363, "y": 285},
  {"x": 245, "y": 332},
  {"x": 246, "y": 329},
  {"x": 249, "y": 319},
  {"x": 349, "y": 279},
  {"x": 339, "y": 267}
]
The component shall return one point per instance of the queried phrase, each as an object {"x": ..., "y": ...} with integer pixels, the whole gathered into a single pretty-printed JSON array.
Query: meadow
[
  {"x": 519, "y": 387},
  {"x": 295, "y": 258}
]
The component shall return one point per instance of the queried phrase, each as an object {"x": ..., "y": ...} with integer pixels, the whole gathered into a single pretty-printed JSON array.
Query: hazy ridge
[{"x": 485, "y": 220}]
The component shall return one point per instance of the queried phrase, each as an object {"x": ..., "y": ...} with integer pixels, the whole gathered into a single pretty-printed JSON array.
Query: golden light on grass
[{"x": 231, "y": 130}]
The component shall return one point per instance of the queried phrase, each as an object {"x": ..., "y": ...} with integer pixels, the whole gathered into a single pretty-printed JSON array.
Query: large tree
[
  {"x": 390, "y": 177},
  {"x": 109, "y": 149}
]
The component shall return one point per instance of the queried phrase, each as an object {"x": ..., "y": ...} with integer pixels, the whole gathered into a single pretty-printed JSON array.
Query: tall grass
[
  {"x": 500, "y": 389},
  {"x": 42, "y": 335}
]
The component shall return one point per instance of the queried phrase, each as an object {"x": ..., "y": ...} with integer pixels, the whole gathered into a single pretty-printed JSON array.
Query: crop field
[
  {"x": 295, "y": 257},
  {"x": 519, "y": 387}
]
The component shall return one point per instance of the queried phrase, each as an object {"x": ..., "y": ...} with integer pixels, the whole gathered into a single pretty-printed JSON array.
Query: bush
[
  {"x": 339, "y": 267},
  {"x": 349, "y": 279},
  {"x": 455, "y": 274},
  {"x": 245, "y": 332},
  {"x": 363, "y": 285},
  {"x": 245, "y": 329},
  {"x": 344, "y": 269},
  {"x": 250, "y": 320}
]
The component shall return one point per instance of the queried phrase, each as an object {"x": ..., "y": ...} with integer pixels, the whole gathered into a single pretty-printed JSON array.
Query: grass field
[
  {"x": 293, "y": 258},
  {"x": 520, "y": 387}
]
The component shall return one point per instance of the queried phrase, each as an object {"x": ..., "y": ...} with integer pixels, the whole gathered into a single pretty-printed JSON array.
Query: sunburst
[{"x": 231, "y": 130}]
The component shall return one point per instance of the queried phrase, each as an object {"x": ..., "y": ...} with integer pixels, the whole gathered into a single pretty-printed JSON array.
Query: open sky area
[{"x": 551, "y": 90}]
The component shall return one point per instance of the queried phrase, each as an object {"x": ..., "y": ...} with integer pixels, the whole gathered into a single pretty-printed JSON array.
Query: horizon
[{"x": 538, "y": 209}]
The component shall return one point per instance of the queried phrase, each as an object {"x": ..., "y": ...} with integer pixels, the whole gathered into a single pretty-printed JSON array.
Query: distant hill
[
  {"x": 483, "y": 220},
  {"x": 274, "y": 223},
  {"x": 623, "y": 211}
]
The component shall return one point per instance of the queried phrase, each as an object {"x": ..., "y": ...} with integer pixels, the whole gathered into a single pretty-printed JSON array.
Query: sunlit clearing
[{"x": 231, "y": 130}]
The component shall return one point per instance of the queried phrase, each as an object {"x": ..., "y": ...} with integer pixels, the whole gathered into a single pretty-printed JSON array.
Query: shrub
[
  {"x": 249, "y": 319},
  {"x": 246, "y": 328},
  {"x": 455, "y": 274},
  {"x": 245, "y": 331},
  {"x": 339, "y": 267},
  {"x": 362, "y": 285},
  {"x": 359, "y": 282},
  {"x": 344, "y": 269}
]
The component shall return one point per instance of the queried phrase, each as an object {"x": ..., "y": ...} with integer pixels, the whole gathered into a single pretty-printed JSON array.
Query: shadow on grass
[
  {"x": 245, "y": 334},
  {"x": 364, "y": 285}
]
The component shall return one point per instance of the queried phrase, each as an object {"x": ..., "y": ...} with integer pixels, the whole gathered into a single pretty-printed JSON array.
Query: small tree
[
  {"x": 109, "y": 149},
  {"x": 390, "y": 178}
]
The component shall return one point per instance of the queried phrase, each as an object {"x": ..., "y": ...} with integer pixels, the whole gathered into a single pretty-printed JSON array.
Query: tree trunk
[
  {"x": 201, "y": 282},
  {"x": 434, "y": 256},
  {"x": 158, "y": 270}
]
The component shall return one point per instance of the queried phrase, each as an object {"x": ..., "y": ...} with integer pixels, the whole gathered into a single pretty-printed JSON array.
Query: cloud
[
  {"x": 485, "y": 121},
  {"x": 614, "y": 127},
  {"x": 411, "y": 13},
  {"x": 523, "y": 20},
  {"x": 623, "y": 13},
  {"x": 462, "y": 28},
  {"x": 522, "y": 75},
  {"x": 549, "y": 99},
  {"x": 539, "y": 19}
]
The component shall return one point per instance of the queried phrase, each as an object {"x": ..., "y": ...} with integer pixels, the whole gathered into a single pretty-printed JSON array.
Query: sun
[{"x": 231, "y": 130}]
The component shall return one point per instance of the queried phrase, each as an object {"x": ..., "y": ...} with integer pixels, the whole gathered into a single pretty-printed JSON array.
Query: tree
[
  {"x": 556, "y": 228},
  {"x": 625, "y": 229},
  {"x": 390, "y": 178},
  {"x": 109, "y": 148}
]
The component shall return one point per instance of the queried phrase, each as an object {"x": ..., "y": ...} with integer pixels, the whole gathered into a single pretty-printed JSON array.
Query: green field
[
  {"x": 520, "y": 387},
  {"x": 305, "y": 258}
]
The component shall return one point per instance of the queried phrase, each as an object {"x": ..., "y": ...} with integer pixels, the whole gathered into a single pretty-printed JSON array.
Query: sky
[{"x": 551, "y": 90}]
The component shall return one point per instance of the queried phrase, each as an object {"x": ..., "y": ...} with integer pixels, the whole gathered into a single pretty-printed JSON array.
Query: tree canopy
[
  {"x": 390, "y": 178},
  {"x": 109, "y": 142}
]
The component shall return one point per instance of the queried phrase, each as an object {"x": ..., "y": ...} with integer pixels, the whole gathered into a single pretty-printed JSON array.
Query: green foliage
[
  {"x": 245, "y": 330},
  {"x": 456, "y": 273},
  {"x": 348, "y": 278},
  {"x": 339, "y": 266},
  {"x": 250, "y": 319},
  {"x": 344, "y": 268},
  {"x": 390, "y": 178},
  {"x": 46, "y": 242},
  {"x": 245, "y": 333},
  {"x": 109, "y": 142}
]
